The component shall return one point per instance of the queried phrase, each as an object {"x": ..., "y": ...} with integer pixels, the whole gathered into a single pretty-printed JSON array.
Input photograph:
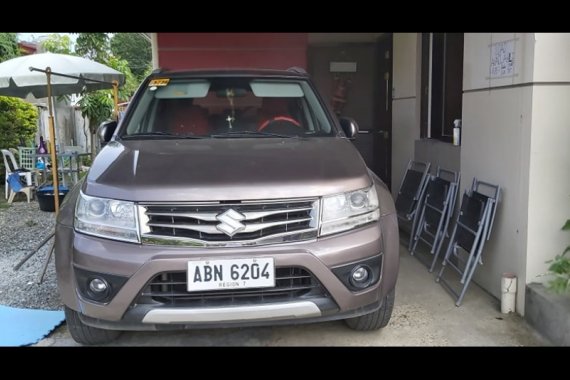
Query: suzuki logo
[{"x": 230, "y": 222}]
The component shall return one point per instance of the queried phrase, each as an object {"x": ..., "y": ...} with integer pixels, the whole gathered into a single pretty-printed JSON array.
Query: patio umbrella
[{"x": 47, "y": 75}]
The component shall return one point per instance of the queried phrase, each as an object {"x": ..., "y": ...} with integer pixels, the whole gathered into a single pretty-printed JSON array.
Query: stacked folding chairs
[
  {"x": 411, "y": 193},
  {"x": 428, "y": 203},
  {"x": 436, "y": 213},
  {"x": 472, "y": 229}
]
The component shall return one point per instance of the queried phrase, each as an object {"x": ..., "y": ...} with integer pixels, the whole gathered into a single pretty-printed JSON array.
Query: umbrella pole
[
  {"x": 116, "y": 100},
  {"x": 52, "y": 144}
]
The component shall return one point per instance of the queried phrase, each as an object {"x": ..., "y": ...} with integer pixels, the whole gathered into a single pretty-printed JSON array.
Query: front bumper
[{"x": 140, "y": 263}]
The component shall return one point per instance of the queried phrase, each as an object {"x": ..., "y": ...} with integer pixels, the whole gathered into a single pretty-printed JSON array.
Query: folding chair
[
  {"x": 408, "y": 201},
  {"x": 473, "y": 227},
  {"x": 436, "y": 212}
]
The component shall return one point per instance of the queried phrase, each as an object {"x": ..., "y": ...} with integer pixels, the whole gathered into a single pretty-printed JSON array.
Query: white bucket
[{"x": 508, "y": 292}]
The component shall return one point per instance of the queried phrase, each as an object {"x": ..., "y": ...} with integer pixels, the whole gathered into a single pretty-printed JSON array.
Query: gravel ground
[{"x": 22, "y": 227}]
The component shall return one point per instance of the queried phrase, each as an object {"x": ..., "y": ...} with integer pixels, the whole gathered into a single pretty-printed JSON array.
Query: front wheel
[
  {"x": 84, "y": 334},
  {"x": 377, "y": 319}
]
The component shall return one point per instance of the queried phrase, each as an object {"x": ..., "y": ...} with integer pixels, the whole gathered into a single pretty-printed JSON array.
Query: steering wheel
[{"x": 279, "y": 119}]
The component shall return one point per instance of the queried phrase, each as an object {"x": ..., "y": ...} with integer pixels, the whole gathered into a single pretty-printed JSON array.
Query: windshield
[{"x": 227, "y": 108}]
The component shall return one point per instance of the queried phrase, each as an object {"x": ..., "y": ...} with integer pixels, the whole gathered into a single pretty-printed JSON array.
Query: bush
[
  {"x": 560, "y": 269},
  {"x": 18, "y": 124}
]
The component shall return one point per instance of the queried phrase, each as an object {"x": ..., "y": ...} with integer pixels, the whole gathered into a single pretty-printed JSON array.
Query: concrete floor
[{"x": 424, "y": 315}]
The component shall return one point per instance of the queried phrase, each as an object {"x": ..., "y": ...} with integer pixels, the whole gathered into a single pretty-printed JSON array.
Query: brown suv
[{"x": 226, "y": 198}]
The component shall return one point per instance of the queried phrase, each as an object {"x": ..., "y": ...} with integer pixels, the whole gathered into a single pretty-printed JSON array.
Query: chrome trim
[
  {"x": 213, "y": 229},
  {"x": 301, "y": 235},
  {"x": 302, "y": 309},
  {"x": 147, "y": 237},
  {"x": 210, "y": 217}
]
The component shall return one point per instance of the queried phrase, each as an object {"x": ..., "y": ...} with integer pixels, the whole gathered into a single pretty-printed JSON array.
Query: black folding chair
[
  {"x": 436, "y": 213},
  {"x": 412, "y": 189},
  {"x": 472, "y": 229}
]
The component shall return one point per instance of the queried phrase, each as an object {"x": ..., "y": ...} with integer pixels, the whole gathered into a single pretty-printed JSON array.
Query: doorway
[{"x": 356, "y": 78}]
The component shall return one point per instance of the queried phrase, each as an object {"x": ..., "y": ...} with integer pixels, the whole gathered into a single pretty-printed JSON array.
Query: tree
[
  {"x": 136, "y": 50},
  {"x": 56, "y": 43},
  {"x": 8, "y": 46},
  {"x": 97, "y": 106},
  {"x": 18, "y": 123},
  {"x": 94, "y": 46}
]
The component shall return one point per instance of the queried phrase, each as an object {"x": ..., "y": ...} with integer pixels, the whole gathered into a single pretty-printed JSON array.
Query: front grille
[
  {"x": 243, "y": 221},
  {"x": 291, "y": 283}
]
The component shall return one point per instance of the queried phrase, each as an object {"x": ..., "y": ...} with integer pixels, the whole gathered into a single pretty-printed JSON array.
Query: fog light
[
  {"x": 360, "y": 276},
  {"x": 98, "y": 285}
]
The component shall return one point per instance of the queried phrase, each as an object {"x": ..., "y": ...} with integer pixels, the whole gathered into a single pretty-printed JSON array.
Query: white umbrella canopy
[
  {"x": 17, "y": 80},
  {"x": 54, "y": 75}
]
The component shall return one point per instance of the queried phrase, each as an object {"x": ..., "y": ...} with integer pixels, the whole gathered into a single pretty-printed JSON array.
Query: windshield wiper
[
  {"x": 252, "y": 133},
  {"x": 160, "y": 134}
]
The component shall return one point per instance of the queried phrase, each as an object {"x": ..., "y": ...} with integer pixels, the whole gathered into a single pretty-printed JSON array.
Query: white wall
[
  {"x": 495, "y": 146},
  {"x": 549, "y": 183},
  {"x": 405, "y": 105},
  {"x": 516, "y": 133}
]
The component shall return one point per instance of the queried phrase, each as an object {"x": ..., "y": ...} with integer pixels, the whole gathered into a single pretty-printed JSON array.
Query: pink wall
[{"x": 178, "y": 51}]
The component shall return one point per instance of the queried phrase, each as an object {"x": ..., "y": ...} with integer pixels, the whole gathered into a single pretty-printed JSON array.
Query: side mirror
[
  {"x": 349, "y": 127},
  {"x": 106, "y": 130}
]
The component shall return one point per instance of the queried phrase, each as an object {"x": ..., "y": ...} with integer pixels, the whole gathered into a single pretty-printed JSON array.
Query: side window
[{"x": 442, "y": 84}]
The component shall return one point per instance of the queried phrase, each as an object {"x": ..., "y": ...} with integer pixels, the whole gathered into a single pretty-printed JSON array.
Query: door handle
[{"x": 363, "y": 131}]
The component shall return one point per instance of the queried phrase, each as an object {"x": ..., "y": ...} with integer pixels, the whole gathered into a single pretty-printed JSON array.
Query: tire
[
  {"x": 84, "y": 334},
  {"x": 377, "y": 319}
]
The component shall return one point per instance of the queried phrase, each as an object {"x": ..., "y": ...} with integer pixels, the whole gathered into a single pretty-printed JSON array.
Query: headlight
[
  {"x": 345, "y": 211},
  {"x": 107, "y": 218}
]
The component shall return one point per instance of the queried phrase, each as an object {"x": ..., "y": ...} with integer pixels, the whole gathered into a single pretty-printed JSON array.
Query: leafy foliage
[
  {"x": 560, "y": 268},
  {"x": 131, "y": 83},
  {"x": 136, "y": 50},
  {"x": 94, "y": 46},
  {"x": 97, "y": 107},
  {"x": 18, "y": 123},
  {"x": 56, "y": 43},
  {"x": 8, "y": 46}
]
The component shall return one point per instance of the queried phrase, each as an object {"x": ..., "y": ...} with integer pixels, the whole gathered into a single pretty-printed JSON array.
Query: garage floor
[{"x": 424, "y": 315}]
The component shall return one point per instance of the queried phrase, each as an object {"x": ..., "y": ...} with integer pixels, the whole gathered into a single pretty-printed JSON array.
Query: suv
[{"x": 226, "y": 198}]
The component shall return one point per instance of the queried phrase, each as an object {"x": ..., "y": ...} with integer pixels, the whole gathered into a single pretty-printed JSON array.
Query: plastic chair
[
  {"x": 11, "y": 166},
  {"x": 17, "y": 187}
]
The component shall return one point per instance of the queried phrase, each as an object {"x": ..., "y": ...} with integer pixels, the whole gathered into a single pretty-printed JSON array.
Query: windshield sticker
[{"x": 159, "y": 82}]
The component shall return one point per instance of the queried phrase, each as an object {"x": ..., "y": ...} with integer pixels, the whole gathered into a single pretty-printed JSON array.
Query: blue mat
[{"x": 22, "y": 327}]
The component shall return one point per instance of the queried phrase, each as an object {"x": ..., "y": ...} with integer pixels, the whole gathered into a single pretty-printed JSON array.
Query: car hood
[{"x": 226, "y": 169}]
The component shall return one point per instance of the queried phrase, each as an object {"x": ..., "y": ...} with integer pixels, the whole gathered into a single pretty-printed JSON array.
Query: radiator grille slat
[
  {"x": 255, "y": 221},
  {"x": 290, "y": 283}
]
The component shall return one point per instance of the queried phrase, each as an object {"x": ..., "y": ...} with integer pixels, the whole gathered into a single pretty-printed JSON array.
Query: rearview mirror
[
  {"x": 106, "y": 130},
  {"x": 349, "y": 127}
]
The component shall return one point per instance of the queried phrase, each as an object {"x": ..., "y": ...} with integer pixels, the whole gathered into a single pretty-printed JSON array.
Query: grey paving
[{"x": 424, "y": 315}]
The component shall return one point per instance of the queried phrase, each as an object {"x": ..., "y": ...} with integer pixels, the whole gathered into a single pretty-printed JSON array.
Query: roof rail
[{"x": 297, "y": 69}]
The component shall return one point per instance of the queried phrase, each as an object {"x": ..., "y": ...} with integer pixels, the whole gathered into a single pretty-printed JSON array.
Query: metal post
[
  {"x": 116, "y": 100},
  {"x": 52, "y": 144}
]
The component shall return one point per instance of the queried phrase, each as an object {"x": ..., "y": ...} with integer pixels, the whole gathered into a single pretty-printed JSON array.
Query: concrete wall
[
  {"x": 518, "y": 137},
  {"x": 495, "y": 148},
  {"x": 549, "y": 180},
  {"x": 496, "y": 142},
  {"x": 405, "y": 105},
  {"x": 445, "y": 155}
]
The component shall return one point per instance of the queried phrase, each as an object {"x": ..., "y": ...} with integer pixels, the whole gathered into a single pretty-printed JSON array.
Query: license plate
[{"x": 231, "y": 274}]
